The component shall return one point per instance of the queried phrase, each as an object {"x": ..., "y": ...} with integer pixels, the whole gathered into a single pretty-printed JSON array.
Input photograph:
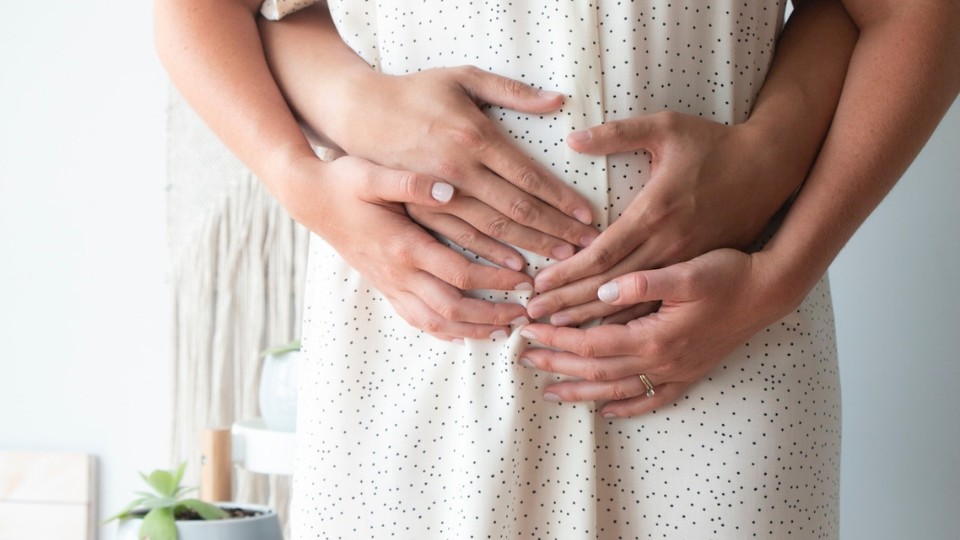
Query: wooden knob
[{"x": 216, "y": 466}]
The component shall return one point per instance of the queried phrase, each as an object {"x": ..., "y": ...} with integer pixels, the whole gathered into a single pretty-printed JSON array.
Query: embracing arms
[
  {"x": 213, "y": 53},
  {"x": 901, "y": 79}
]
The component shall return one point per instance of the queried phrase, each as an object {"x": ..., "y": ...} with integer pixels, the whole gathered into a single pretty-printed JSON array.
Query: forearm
[
  {"x": 313, "y": 66},
  {"x": 793, "y": 109},
  {"x": 213, "y": 54},
  {"x": 901, "y": 80}
]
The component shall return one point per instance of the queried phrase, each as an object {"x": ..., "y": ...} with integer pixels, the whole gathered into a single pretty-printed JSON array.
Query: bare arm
[
  {"x": 431, "y": 122},
  {"x": 712, "y": 185},
  {"x": 686, "y": 208},
  {"x": 213, "y": 54},
  {"x": 901, "y": 80}
]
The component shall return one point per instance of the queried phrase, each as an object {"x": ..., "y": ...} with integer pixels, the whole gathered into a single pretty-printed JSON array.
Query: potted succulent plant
[
  {"x": 278, "y": 386},
  {"x": 165, "y": 513}
]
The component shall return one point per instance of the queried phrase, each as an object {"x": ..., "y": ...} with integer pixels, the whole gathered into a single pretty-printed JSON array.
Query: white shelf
[{"x": 261, "y": 450}]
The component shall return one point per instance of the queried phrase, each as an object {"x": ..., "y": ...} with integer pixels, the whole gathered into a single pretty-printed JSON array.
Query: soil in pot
[{"x": 186, "y": 514}]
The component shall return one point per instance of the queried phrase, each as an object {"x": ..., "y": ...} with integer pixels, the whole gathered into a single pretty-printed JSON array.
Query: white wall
[
  {"x": 83, "y": 305},
  {"x": 897, "y": 303},
  {"x": 83, "y": 301}
]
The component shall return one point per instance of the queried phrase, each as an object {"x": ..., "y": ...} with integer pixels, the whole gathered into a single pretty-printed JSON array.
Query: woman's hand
[
  {"x": 710, "y": 306},
  {"x": 351, "y": 198},
  {"x": 432, "y": 122},
  {"x": 709, "y": 188}
]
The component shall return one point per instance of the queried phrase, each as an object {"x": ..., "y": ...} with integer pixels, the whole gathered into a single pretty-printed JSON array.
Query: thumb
[
  {"x": 642, "y": 132},
  {"x": 389, "y": 185},
  {"x": 510, "y": 93},
  {"x": 668, "y": 283}
]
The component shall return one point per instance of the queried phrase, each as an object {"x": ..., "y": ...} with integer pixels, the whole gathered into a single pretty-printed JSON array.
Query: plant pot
[
  {"x": 264, "y": 526},
  {"x": 279, "y": 380}
]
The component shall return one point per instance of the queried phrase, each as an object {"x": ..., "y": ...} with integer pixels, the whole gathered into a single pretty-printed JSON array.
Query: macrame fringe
[{"x": 237, "y": 288}]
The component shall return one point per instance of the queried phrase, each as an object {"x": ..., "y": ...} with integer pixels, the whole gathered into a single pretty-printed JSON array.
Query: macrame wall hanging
[{"x": 236, "y": 277}]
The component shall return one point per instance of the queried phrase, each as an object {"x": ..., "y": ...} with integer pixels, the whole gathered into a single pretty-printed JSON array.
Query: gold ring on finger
[{"x": 649, "y": 385}]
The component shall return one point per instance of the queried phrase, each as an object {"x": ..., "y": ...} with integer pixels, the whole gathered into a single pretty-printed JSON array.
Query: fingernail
[
  {"x": 528, "y": 334},
  {"x": 562, "y": 252},
  {"x": 525, "y": 362},
  {"x": 560, "y": 320},
  {"x": 542, "y": 284},
  {"x": 580, "y": 136},
  {"x": 609, "y": 292},
  {"x": 535, "y": 311},
  {"x": 550, "y": 396},
  {"x": 583, "y": 216},
  {"x": 523, "y": 286},
  {"x": 609, "y": 415},
  {"x": 498, "y": 334},
  {"x": 514, "y": 263},
  {"x": 442, "y": 192},
  {"x": 520, "y": 321},
  {"x": 587, "y": 239},
  {"x": 549, "y": 94},
  {"x": 458, "y": 341}
]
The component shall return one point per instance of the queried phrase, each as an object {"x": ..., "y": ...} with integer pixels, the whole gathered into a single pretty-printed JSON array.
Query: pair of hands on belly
[{"x": 409, "y": 139}]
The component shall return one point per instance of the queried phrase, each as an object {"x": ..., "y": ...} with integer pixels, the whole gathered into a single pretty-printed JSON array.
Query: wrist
[
  {"x": 342, "y": 101},
  {"x": 784, "y": 278},
  {"x": 288, "y": 171}
]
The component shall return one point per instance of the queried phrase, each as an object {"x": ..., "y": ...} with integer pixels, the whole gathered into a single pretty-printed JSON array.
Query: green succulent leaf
[
  {"x": 158, "y": 524},
  {"x": 164, "y": 502},
  {"x": 280, "y": 349},
  {"x": 178, "y": 476},
  {"x": 160, "y": 502},
  {"x": 181, "y": 491},
  {"x": 163, "y": 482},
  {"x": 206, "y": 510},
  {"x": 125, "y": 513}
]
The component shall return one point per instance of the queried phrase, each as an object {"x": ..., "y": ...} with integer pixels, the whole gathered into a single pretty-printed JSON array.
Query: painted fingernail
[
  {"x": 560, "y": 320},
  {"x": 609, "y": 292},
  {"x": 562, "y": 252},
  {"x": 442, "y": 192},
  {"x": 525, "y": 362},
  {"x": 523, "y": 286},
  {"x": 583, "y": 216},
  {"x": 498, "y": 334},
  {"x": 580, "y": 136},
  {"x": 528, "y": 334},
  {"x": 514, "y": 263},
  {"x": 609, "y": 415},
  {"x": 550, "y": 396},
  {"x": 520, "y": 321}
]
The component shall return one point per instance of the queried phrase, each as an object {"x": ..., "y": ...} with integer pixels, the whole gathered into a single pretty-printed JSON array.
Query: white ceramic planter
[
  {"x": 265, "y": 526},
  {"x": 279, "y": 380}
]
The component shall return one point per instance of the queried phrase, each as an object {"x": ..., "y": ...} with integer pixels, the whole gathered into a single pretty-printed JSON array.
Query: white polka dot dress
[{"x": 405, "y": 436}]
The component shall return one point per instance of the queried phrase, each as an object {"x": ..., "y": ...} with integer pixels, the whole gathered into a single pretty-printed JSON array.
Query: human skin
[
  {"x": 901, "y": 80},
  {"x": 685, "y": 209},
  {"x": 719, "y": 267},
  {"x": 213, "y": 54}
]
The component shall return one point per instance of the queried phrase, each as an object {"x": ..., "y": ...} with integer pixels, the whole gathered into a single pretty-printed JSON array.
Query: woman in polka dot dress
[{"x": 548, "y": 431}]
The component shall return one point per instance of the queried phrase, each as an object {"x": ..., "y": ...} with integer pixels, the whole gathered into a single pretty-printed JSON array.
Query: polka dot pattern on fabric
[{"x": 405, "y": 436}]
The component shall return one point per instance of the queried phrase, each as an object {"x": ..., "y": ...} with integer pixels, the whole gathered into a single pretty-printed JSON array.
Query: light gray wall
[
  {"x": 83, "y": 298},
  {"x": 897, "y": 302}
]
